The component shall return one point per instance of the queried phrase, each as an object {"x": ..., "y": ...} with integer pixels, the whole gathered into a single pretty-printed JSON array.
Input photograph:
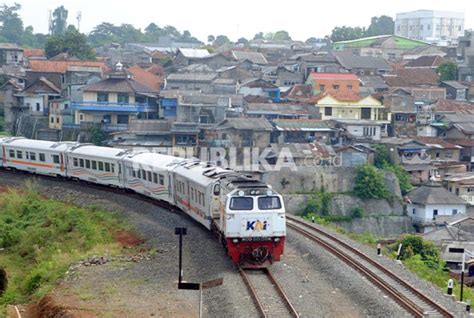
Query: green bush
[
  {"x": 369, "y": 183},
  {"x": 381, "y": 155},
  {"x": 319, "y": 203},
  {"x": 402, "y": 176},
  {"x": 357, "y": 212}
]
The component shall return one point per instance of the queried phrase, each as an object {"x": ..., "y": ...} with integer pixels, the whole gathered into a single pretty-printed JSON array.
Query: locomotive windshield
[
  {"x": 241, "y": 203},
  {"x": 269, "y": 203}
]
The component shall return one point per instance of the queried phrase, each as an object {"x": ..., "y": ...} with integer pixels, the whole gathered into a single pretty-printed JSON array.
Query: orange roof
[
  {"x": 144, "y": 77},
  {"x": 61, "y": 66},
  {"x": 156, "y": 69},
  {"x": 342, "y": 96},
  {"x": 33, "y": 52}
]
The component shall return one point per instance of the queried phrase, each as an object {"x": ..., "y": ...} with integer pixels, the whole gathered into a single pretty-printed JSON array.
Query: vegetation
[
  {"x": 369, "y": 183},
  {"x": 423, "y": 258},
  {"x": 72, "y": 42},
  {"x": 382, "y": 160},
  {"x": 382, "y": 155},
  {"x": 378, "y": 26},
  {"x": 448, "y": 71},
  {"x": 98, "y": 136},
  {"x": 2, "y": 120},
  {"x": 41, "y": 238},
  {"x": 319, "y": 203}
]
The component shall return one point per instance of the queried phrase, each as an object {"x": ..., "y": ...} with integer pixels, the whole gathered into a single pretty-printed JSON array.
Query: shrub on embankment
[{"x": 41, "y": 238}]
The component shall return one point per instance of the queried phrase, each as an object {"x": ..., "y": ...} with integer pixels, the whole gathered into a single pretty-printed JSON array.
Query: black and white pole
[
  {"x": 180, "y": 231},
  {"x": 450, "y": 287},
  {"x": 462, "y": 275},
  {"x": 399, "y": 252},
  {"x": 379, "y": 249}
]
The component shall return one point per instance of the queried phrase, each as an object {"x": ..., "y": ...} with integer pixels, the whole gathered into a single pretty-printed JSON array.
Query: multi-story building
[
  {"x": 333, "y": 82},
  {"x": 436, "y": 27}
]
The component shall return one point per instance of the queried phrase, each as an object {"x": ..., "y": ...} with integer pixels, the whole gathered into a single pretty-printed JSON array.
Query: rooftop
[
  {"x": 350, "y": 61},
  {"x": 46, "y": 66},
  {"x": 254, "y": 57},
  {"x": 434, "y": 194},
  {"x": 335, "y": 76}
]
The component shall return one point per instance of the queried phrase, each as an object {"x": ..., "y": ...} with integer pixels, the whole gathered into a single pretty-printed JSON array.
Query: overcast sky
[{"x": 301, "y": 18}]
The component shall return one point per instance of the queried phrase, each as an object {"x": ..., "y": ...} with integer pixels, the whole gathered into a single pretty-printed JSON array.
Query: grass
[{"x": 41, "y": 238}]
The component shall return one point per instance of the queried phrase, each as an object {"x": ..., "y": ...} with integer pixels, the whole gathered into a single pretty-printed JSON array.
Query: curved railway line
[
  {"x": 411, "y": 299},
  {"x": 268, "y": 295}
]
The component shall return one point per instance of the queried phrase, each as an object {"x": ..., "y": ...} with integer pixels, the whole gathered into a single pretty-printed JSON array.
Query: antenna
[
  {"x": 78, "y": 18},
  {"x": 50, "y": 23}
]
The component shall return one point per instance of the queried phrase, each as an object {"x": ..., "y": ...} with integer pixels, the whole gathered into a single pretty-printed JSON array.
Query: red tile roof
[
  {"x": 33, "y": 53},
  {"x": 412, "y": 77},
  {"x": 144, "y": 77},
  {"x": 427, "y": 61},
  {"x": 448, "y": 105},
  {"x": 342, "y": 96},
  {"x": 157, "y": 69},
  {"x": 61, "y": 66},
  {"x": 335, "y": 76}
]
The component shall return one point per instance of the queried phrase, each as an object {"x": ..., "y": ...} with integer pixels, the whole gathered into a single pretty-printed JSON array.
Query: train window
[
  {"x": 148, "y": 174},
  {"x": 33, "y": 156},
  {"x": 94, "y": 165},
  {"x": 55, "y": 158},
  {"x": 199, "y": 197},
  {"x": 12, "y": 153},
  {"x": 192, "y": 194},
  {"x": 139, "y": 174},
  {"x": 217, "y": 189},
  {"x": 19, "y": 154},
  {"x": 134, "y": 174},
  {"x": 42, "y": 157},
  {"x": 155, "y": 177},
  {"x": 74, "y": 160},
  {"x": 113, "y": 167},
  {"x": 88, "y": 164},
  {"x": 107, "y": 167},
  {"x": 162, "y": 179},
  {"x": 81, "y": 163},
  {"x": 269, "y": 203},
  {"x": 241, "y": 203},
  {"x": 101, "y": 165},
  {"x": 27, "y": 155},
  {"x": 143, "y": 175}
]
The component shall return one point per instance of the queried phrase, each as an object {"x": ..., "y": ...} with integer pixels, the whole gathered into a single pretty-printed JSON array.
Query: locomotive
[{"x": 247, "y": 216}]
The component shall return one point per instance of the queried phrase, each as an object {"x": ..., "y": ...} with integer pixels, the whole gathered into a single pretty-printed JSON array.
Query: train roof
[
  {"x": 100, "y": 152},
  {"x": 38, "y": 144},
  {"x": 157, "y": 160},
  {"x": 201, "y": 172}
]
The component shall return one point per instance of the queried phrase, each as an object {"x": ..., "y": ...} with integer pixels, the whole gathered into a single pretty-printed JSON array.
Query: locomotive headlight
[
  {"x": 276, "y": 239},
  {"x": 241, "y": 193},
  {"x": 236, "y": 240}
]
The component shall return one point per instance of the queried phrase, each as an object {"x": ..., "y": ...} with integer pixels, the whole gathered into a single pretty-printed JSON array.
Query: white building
[
  {"x": 428, "y": 202},
  {"x": 436, "y": 27}
]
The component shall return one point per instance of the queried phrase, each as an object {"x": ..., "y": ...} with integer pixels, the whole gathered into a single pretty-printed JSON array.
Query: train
[{"x": 246, "y": 215}]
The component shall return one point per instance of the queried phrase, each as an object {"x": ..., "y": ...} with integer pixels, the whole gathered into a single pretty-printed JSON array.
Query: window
[
  {"x": 122, "y": 119},
  {"x": 12, "y": 153},
  {"x": 435, "y": 213},
  {"x": 414, "y": 210},
  {"x": 81, "y": 117},
  {"x": 55, "y": 158},
  {"x": 148, "y": 175},
  {"x": 134, "y": 174},
  {"x": 32, "y": 156},
  {"x": 327, "y": 111},
  {"x": 269, "y": 203},
  {"x": 81, "y": 163},
  {"x": 335, "y": 86},
  {"x": 155, "y": 177},
  {"x": 88, "y": 164},
  {"x": 112, "y": 166},
  {"x": 241, "y": 203},
  {"x": 38, "y": 107},
  {"x": 107, "y": 167},
  {"x": 139, "y": 175},
  {"x": 52, "y": 119},
  {"x": 455, "y": 211},
  {"x": 101, "y": 166},
  {"x": 102, "y": 97},
  {"x": 94, "y": 165},
  {"x": 19, "y": 154},
  {"x": 322, "y": 87},
  {"x": 75, "y": 162},
  {"x": 122, "y": 98},
  {"x": 27, "y": 155},
  {"x": 57, "y": 120},
  {"x": 143, "y": 174},
  {"x": 349, "y": 87},
  {"x": 42, "y": 157},
  {"x": 162, "y": 179}
]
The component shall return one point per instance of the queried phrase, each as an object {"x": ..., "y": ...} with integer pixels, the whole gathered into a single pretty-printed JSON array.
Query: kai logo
[{"x": 256, "y": 225}]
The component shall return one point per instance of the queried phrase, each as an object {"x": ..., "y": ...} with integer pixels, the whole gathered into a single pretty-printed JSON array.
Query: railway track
[
  {"x": 267, "y": 293},
  {"x": 411, "y": 299}
]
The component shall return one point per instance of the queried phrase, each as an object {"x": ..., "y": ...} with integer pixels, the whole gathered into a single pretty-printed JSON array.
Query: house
[
  {"x": 60, "y": 113},
  {"x": 36, "y": 96},
  {"x": 224, "y": 86},
  {"x": 362, "y": 65},
  {"x": 235, "y": 72},
  {"x": 333, "y": 82},
  {"x": 462, "y": 185},
  {"x": 205, "y": 109},
  {"x": 355, "y": 155},
  {"x": 404, "y": 113},
  {"x": 307, "y": 63},
  {"x": 256, "y": 58},
  {"x": 303, "y": 130},
  {"x": 455, "y": 90},
  {"x": 116, "y": 100},
  {"x": 349, "y": 105},
  {"x": 465, "y": 57},
  {"x": 187, "y": 56},
  {"x": 12, "y": 107},
  {"x": 191, "y": 81},
  {"x": 240, "y": 132},
  {"x": 372, "y": 84},
  {"x": 422, "y": 50},
  {"x": 388, "y": 47},
  {"x": 426, "y": 61},
  {"x": 303, "y": 154},
  {"x": 145, "y": 77},
  {"x": 260, "y": 87},
  {"x": 427, "y": 202},
  {"x": 361, "y": 130},
  {"x": 411, "y": 77},
  {"x": 11, "y": 54},
  {"x": 299, "y": 92},
  {"x": 282, "y": 76},
  {"x": 280, "y": 111}
]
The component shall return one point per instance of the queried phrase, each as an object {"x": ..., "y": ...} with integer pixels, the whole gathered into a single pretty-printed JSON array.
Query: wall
[{"x": 425, "y": 213}]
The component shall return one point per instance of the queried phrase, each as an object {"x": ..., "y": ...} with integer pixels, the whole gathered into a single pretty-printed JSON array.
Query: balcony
[{"x": 114, "y": 107}]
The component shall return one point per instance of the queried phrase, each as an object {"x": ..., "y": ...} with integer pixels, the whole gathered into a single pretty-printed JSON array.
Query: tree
[
  {"x": 382, "y": 155},
  {"x": 381, "y": 26},
  {"x": 220, "y": 40},
  {"x": 347, "y": 33},
  {"x": 448, "y": 71},
  {"x": 258, "y": 36},
  {"x": 282, "y": 36},
  {"x": 103, "y": 34},
  {"x": 210, "y": 39},
  {"x": 243, "y": 41},
  {"x": 369, "y": 183},
  {"x": 403, "y": 177},
  {"x": 59, "y": 21},
  {"x": 72, "y": 42},
  {"x": 12, "y": 25}
]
